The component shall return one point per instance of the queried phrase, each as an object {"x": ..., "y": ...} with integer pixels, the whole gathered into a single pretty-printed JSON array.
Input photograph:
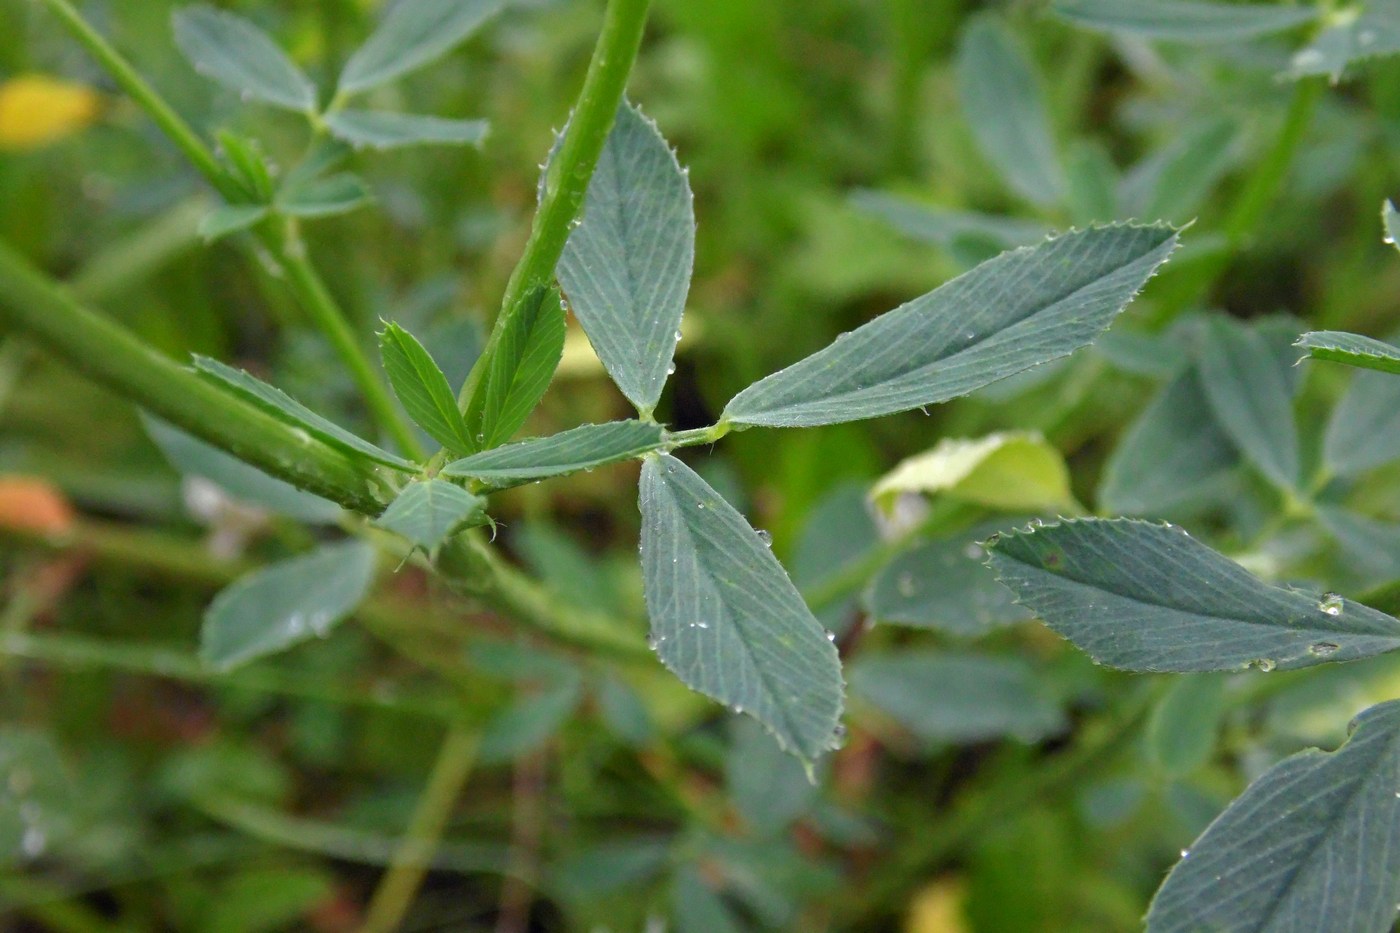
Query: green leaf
[
  {"x": 1171, "y": 457},
  {"x": 428, "y": 511},
  {"x": 1012, "y": 313},
  {"x": 1313, "y": 844},
  {"x": 1185, "y": 724},
  {"x": 289, "y": 411},
  {"x": 240, "y": 56},
  {"x": 581, "y": 448},
  {"x": 412, "y": 34},
  {"x": 1364, "y": 430},
  {"x": 1148, "y": 597},
  {"x": 943, "y": 696},
  {"x": 286, "y": 603},
  {"x": 768, "y": 788},
  {"x": 1171, "y": 183},
  {"x": 1371, "y": 546},
  {"x": 626, "y": 267},
  {"x": 248, "y": 164},
  {"x": 423, "y": 389},
  {"x": 1351, "y": 36},
  {"x": 518, "y": 370},
  {"x": 697, "y": 908},
  {"x": 1251, "y": 399},
  {"x": 375, "y": 130},
  {"x": 1091, "y": 183},
  {"x": 1004, "y": 104},
  {"x": 192, "y": 457},
  {"x": 530, "y": 722},
  {"x": 1352, "y": 349},
  {"x": 324, "y": 197},
  {"x": 231, "y": 218},
  {"x": 726, "y": 618},
  {"x": 943, "y": 585},
  {"x": 1184, "y": 20},
  {"x": 943, "y": 226},
  {"x": 1013, "y": 470}
]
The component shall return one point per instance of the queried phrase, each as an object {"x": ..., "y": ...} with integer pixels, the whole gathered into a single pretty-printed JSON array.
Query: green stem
[
  {"x": 305, "y": 282},
  {"x": 571, "y": 168},
  {"x": 111, "y": 355},
  {"x": 400, "y": 884}
]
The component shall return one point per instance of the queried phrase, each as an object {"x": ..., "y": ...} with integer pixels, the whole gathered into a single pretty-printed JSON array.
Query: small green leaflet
[
  {"x": 626, "y": 267},
  {"x": 429, "y": 511},
  {"x": 1352, "y": 349},
  {"x": 1372, "y": 547},
  {"x": 946, "y": 696},
  {"x": 1170, "y": 457},
  {"x": 377, "y": 130},
  {"x": 240, "y": 56},
  {"x": 1011, "y": 313},
  {"x": 1313, "y": 844},
  {"x": 1170, "y": 183},
  {"x": 1251, "y": 399},
  {"x": 229, "y": 219},
  {"x": 248, "y": 164},
  {"x": 412, "y": 34},
  {"x": 942, "y": 225},
  {"x": 581, "y": 448},
  {"x": 1185, "y": 724},
  {"x": 1352, "y": 35},
  {"x": 286, "y": 603},
  {"x": 943, "y": 585},
  {"x": 1004, "y": 105},
  {"x": 1184, "y": 20},
  {"x": 1147, "y": 597},
  {"x": 725, "y": 617},
  {"x": 516, "y": 372},
  {"x": 289, "y": 411},
  {"x": 530, "y": 722},
  {"x": 323, "y": 197},
  {"x": 1364, "y": 429},
  {"x": 423, "y": 389}
]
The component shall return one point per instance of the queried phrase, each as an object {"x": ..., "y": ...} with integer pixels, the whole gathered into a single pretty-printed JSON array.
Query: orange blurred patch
[{"x": 29, "y": 504}]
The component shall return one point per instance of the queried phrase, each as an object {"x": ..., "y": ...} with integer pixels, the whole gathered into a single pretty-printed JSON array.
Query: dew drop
[
  {"x": 678, "y": 336},
  {"x": 1323, "y": 649},
  {"x": 699, "y": 505},
  {"x": 765, "y": 537},
  {"x": 1264, "y": 664},
  {"x": 906, "y": 585},
  {"x": 1331, "y": 604},
  {"x": 671, "y": 370},
  {"x": 1185, "y": 852},
  {"x": 830, "y": 636},
  {"x": 1366, "y": 37},
  {"x": 33, "y": 842},
  {"x": 974, "y": 552}
]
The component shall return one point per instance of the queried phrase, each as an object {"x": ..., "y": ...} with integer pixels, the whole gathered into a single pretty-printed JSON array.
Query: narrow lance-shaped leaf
[
  {"x": 286, "y": 603},
  {"x": 1184, "y": 20},
  {"x": 1004, "y": 104},
  {"x": 232, "y": 51},
  {"x": 726, "y": 618},
  {"x": 1250, "y": 398},
  {"x": 581, "y": 448},
  {"x": 423, "y": 389},
  {"x": 428, "y": 511},
  {"x": 375, "y": 130},
  {"x": 1352, "y": 349},
  {"x": 626, "y": 268},
  {"x": 288, "y": 410},
  {"x": 515, "y": 375},
  {"x": 412, "y": 34},
  {"x": 1147, "y": 597},
  {"x": 1313, "y": 844},
  {"x": 1012, "y": 313}
]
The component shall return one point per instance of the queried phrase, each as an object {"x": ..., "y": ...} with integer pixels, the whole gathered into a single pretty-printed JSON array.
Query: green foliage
[
  {"x": 1184, "y": 20},
  {"x": 423, "y": 389},
  {"x": 232, "y": 51},
  {"x": 1250, "y": 400},
  {"x": 515, "y": 375},
  {"x": 366, "y": 128},
  {"x": 412, "y": 34},
  {"x": 1352, "y": 349},
  {"x": 582, "y": 448},
  {"x": 429, "y": 511}
]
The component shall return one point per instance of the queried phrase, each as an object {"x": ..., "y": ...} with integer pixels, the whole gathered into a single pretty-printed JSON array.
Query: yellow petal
[{"x": 36, "y": 110}]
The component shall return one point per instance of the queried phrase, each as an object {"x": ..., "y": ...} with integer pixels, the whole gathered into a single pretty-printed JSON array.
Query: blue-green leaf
[
  {"x": 958, "y": 697},
  {"x": 1171, "y": 457},
  {"x": 517, "y": 371},
  {"x": 1364, "y": 430},
  {"x": 324, "y": 197},
  {"x": 1251, "y": 399},
  {"x": 943, "y": 584},
  {"x": 581, "y": 448},
  {"x": 288, "y": 410},
  {"x": 423, "y": 389},
  {"x": 626, "y": 267},
  {"x": 1005, "y": 106},
  {"x": 726, "y": 618},
  {"x": 428, "y": 511},
  {"x": 942, "y": 225},
  {"x": 378, "y": 130},
  {"x": 412, "y": 34},
  {"x": 1170, "y": 183},
  {"x": 1185, "y": 724},
  {"x": 230, "y": 218},
  {"x": 1148, "y": 597},
  {"x": 1184, "y": 20},
  {"x": 232, "y": 51},
  {"x": 286, "y": 603},
  {"x": 1352, "y": 349},
  {"x": 530, "y": 722},
  {"x": 1314, "y": 844},
  {"x": 1370, "y": 545},
  {"x": 1351, "y": 36},
  {"x": 1012, "y": 313}
]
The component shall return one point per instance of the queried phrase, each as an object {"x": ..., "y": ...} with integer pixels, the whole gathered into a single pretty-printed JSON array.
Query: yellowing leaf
[
  {"x": 938, "y": 908},
  {"x": 1014, "y": 470},
  {"x": 36, "y": 110}
]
